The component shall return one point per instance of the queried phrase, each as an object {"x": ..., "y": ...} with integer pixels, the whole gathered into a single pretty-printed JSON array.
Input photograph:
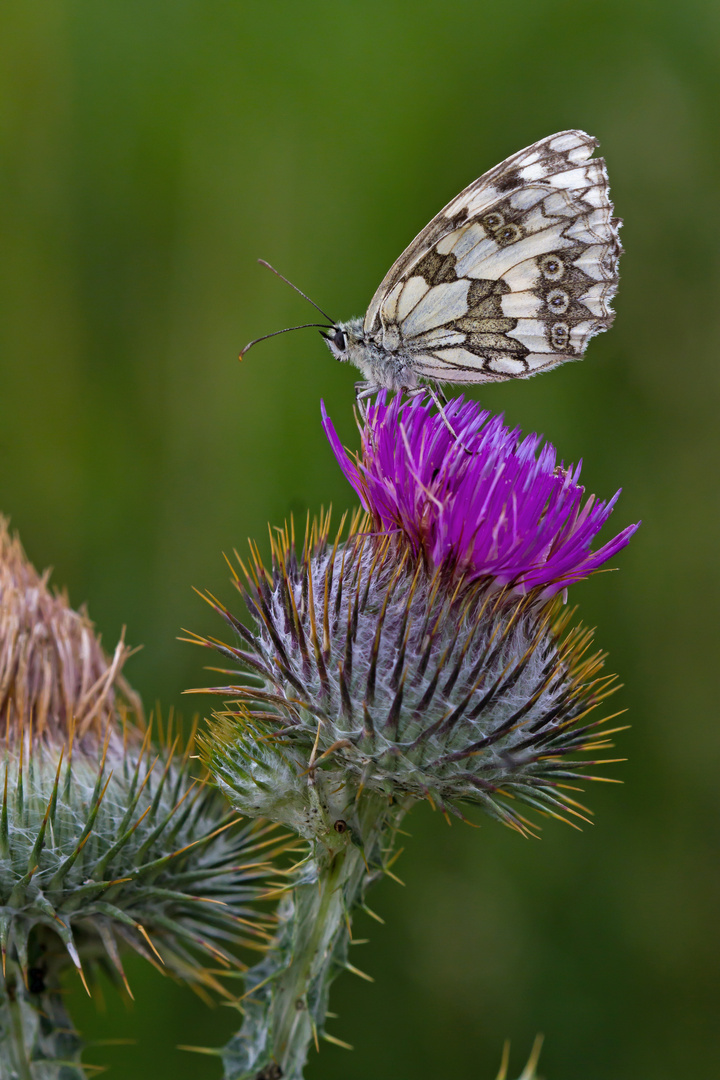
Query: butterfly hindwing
[{"x": 514, "y": 276}]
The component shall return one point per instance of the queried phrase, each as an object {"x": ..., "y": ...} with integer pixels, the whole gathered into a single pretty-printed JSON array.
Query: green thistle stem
[
  {"x": 18, "y": 1052},
  {"x": 37, "y": 1039},
  {"x": 287, "y": 997}
]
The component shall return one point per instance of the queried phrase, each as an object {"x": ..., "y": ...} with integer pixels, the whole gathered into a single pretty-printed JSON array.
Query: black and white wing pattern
[{"x": 513, "y": 277}]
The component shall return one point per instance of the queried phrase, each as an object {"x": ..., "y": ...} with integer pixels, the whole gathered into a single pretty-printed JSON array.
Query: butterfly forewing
[{"x": 514, "y": 276}]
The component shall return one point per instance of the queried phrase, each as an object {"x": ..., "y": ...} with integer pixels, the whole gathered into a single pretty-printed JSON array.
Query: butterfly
[{"x": 513, "y": 277}]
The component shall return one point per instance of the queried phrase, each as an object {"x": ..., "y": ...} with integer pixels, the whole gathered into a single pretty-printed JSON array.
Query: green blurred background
[{"x": 151, "y": 151}]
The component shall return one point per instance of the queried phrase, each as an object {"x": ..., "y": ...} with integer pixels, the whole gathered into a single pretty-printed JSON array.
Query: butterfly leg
[
  {"x": 440, "y": 401},
  {"x": 363, "y": 391},
  {"x": 420, "y": 391}
]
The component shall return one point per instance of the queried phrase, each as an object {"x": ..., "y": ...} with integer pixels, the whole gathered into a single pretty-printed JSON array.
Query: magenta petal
[{"x": 504, "y": 510}]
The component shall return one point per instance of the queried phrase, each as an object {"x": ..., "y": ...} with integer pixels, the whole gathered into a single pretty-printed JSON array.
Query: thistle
[
  {"x": 105, "y": 843},
  {"x": 421, "y": 653}
]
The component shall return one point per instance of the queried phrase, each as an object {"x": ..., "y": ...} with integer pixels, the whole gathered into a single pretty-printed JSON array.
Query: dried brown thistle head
[{"x": 56, "y": 681}]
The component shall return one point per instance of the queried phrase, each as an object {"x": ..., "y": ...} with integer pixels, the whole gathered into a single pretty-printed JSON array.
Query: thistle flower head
[
  {"x": 105, "y": 842},
  {"x": 484, "y": 501},
  {"x": 422, "y": 653},
  {"x": 426, "y": 654}
]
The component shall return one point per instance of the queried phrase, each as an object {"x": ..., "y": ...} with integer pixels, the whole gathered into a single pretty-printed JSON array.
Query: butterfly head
[{"x": 343, "y": 339}]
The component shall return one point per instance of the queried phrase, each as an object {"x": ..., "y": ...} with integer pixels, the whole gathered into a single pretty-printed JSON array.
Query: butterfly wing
[{"x": 512, "y": 277}]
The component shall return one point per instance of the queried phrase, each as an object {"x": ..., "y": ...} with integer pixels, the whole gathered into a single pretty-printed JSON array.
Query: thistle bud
[{"x": 105, "y": 843}]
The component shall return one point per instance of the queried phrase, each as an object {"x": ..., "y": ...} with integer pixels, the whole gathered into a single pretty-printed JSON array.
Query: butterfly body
[
  {"x": 513, "y": 277},
  {"x": 378, "y": 356}
]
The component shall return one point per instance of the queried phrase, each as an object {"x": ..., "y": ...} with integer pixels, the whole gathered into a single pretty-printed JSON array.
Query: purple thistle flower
[
  {"x": 420, "y": 655},
  {"x": 487, "y": 503}
]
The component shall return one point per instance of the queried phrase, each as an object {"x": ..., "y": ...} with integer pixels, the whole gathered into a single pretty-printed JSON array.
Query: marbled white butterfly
[{"x": 512, "y": 277}]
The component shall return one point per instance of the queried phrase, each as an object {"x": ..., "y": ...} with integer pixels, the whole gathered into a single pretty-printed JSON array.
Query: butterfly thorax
[{"x": 378, "y": 356}]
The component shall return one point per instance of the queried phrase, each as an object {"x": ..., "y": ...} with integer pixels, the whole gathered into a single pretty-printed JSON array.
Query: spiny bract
[{"x": 410, "y": 683}]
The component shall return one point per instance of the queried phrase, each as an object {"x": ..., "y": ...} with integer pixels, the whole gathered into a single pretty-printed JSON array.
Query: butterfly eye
[
  {"x": 552, "y": 267},
  {"x": 340, "y": 826},
  {"x": 339, "y": 340},
  {"x": 508, "y": 234},
  {"x": 558, "y": 301}
]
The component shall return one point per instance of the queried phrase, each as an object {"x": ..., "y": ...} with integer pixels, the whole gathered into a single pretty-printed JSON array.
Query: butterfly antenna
[
  {"x": 303, "y": 326},
  {"x": 287, "y": 282}
]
